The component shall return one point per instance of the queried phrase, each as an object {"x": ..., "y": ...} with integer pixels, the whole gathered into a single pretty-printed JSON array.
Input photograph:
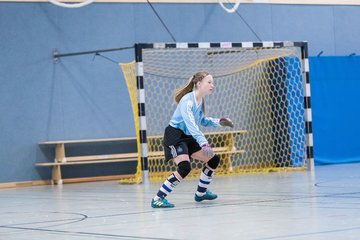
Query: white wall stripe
[{"x": 304, "y": 2}]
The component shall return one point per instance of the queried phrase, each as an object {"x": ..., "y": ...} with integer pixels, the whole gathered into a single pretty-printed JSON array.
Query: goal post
[{"x": 263, "y": 87}]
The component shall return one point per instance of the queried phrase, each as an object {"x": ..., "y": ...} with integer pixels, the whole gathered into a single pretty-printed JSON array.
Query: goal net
[{"x": 262, "y": 87}]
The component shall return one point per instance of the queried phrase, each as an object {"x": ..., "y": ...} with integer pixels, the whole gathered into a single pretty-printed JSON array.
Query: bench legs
[
  {"x": 59, "y": 157},
  {"x": 60, "y": 153},
  {"x": 56, "y": 175}
]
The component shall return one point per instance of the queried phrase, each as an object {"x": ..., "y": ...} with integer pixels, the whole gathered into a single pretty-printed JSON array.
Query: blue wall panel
[{"x": 335, "y": 104}]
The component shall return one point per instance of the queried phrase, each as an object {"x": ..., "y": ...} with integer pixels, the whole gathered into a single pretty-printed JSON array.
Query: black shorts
[{"x": 176, "y": 142}]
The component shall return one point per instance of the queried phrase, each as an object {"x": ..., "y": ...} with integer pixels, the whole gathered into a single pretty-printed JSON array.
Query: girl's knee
[
  {"x": 214, "y": 162},
  {"x": 184, "y": 168}
]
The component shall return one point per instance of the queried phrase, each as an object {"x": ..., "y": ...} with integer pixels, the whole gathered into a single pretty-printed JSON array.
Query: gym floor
[{"x": 290, "y": 205}]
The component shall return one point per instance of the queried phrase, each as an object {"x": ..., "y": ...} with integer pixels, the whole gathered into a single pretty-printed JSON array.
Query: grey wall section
[{"x": 81, "y": 97}]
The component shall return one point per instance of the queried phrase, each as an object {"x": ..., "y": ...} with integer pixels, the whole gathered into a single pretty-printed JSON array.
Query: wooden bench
[
  {"x": 62, "y": 159},
  {"x": 223, "y": 143}
]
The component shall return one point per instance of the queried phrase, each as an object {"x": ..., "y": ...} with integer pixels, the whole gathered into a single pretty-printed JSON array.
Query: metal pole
[{"x": 57, "y": 55}]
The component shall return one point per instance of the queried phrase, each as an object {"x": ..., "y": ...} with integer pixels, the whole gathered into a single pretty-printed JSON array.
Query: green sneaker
[
  {"x": 207, "y": 196},
  {"x": 161, "y": 203}
]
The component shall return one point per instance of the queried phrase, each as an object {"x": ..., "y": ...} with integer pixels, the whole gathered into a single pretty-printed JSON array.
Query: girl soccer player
[{"x": 183, "y": 139}]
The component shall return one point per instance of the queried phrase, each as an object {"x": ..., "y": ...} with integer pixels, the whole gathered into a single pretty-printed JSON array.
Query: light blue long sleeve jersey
[{"x": 188, "y": 116}]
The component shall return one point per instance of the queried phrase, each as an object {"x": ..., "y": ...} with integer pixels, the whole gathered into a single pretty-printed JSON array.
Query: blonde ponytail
[
  {"x": 189, "y": 86},
  {"x": 179, "y": 93}
]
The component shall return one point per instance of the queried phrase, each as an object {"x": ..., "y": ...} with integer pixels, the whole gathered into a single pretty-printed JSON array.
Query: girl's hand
[
  {"x": 226, "y": 122},
  {"x": 207, "y": 150}
]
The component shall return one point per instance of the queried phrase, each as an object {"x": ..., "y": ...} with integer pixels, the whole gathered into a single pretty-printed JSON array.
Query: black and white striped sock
[
  {"x": 167, "y": 187},
  {"x": 205, "y": 180}
]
